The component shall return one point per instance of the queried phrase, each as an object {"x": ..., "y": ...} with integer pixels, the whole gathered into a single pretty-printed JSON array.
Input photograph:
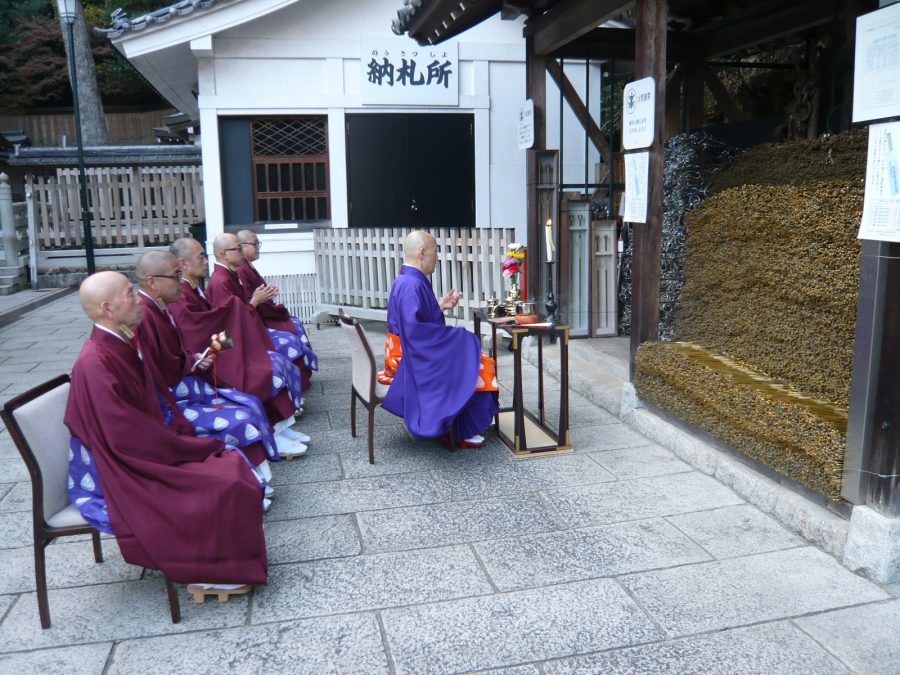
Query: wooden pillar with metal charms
[
  {"x": 536, "y": 90},
  {"x": 650, "y": 61}
]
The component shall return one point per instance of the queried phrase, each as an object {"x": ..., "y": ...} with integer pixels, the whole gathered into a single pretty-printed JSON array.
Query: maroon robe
[
  {"x": 225, "y": 283},
  {"x": 274, "y": 316},
  {"x": 163, "y": 348},
  {"x": 246, "y": 366},
  {"x": 176, "y": 502}
]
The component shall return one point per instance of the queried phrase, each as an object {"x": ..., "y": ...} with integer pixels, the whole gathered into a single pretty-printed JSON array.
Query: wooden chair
[
  {"x": 364, "y": 381},
  {"x": 35, "y": 423}
]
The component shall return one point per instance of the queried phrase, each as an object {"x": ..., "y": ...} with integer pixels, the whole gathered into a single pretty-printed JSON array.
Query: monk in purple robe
[
  {"x": 177, "y": 503},
  {"x": 282, "y": 327},
  {"x": 252, "y": 365},
  {"x": 435, "y": 384},
  {"x": 225, "y": 283}
]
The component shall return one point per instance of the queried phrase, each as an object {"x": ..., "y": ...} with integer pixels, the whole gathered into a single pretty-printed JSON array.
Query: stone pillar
[{"x": 7, "y": 222}]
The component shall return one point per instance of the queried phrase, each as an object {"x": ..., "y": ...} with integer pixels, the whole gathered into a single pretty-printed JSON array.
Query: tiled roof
[
  {"x": 113, "y": 155},
  {"x": 121, "y": 24}
]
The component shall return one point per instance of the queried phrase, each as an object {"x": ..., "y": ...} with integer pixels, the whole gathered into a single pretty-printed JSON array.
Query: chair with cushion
[
  {"x": 364, "y": 382},
  {"x": 35, "y": 423}
]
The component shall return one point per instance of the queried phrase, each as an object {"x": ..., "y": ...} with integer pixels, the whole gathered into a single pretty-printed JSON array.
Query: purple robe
[
  {"x": 176, "y": 503},
  {"x": 232, "y": 416},
  {"x": 435, "y": 383}
]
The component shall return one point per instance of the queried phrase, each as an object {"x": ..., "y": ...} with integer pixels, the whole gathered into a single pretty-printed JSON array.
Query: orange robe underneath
[{"x": 393, "y": 352}]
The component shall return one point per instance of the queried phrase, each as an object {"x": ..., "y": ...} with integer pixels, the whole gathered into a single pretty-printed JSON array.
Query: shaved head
[
  {"x": 420, "y": 251},
  {"x": 182, "y": 247},
  {"x": 224, "y": 241},
  {"x": 109, "y": 300},
  {"x": 246, "y": 236},
  {"x": 154, "y": 262}
]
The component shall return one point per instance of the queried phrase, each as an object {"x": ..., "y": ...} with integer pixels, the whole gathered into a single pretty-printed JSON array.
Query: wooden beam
[
  {"x": 618, "y": 43},
  {"x": 732, "y": 112},
  {"x": 693, "y": 96},
  {"x": 673, "y": 102},
  {"x": 598, "y": 138},
  {"x": 762, "y": 22},
  {"x": 650, "y": 61},
  {"x": 536, "y": 90},
  {"x": 569, "y": 20}
]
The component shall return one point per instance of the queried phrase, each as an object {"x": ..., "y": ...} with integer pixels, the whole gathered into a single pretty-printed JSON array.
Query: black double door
[{"x": 411, "y": 170}]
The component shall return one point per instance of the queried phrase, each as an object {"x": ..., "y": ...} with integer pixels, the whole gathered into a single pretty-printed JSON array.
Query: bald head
[
  {"x": 154, "y": 263},
  {"x": 223, "y": 242},
  {"x": 249, "y": 245},
  {"x": 183, "y": 247},
  {"x": 420, "y": 251},
  {"x": 109, "y": 300},
  {"x": 246, "y": 236},
  {"x": 191, "y": 259}
]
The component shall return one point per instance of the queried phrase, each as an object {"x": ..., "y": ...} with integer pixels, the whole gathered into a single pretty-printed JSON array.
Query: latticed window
[{"x": 290, "y": 168}]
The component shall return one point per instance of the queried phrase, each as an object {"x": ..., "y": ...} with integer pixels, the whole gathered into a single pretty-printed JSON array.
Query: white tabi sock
[
  {"x": 477, "y": 438},
  {"x": 220, "y": 587},
  {"x": 266, "y": 504},
  {"x": 288, "y": 447},
  {"x": 295, "y": 435},
  {"x": 263, "y": 471}
]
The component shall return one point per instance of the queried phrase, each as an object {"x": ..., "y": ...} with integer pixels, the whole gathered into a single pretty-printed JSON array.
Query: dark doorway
[{"x": 411, "y": 170}]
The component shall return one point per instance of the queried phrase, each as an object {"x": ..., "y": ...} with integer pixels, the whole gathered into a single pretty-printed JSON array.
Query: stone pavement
[{"x": 616, "y": 558}]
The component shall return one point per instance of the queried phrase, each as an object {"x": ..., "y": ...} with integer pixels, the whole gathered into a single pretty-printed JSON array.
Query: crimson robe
[
  {"x": 435, "y": 383},
  {"x": 246, "y": 366},
  {"x": 273, "y": 315},
  {"x": 177, "y": 503},
  {"x": 163, "y": 348}
]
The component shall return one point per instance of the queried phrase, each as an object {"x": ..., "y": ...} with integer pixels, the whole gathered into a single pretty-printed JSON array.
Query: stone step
[{"x": 596, "y": 376}]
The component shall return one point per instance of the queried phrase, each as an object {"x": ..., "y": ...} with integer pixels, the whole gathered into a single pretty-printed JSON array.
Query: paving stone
[
  {"x": 306, "y": 469},
  {"x": 515, "y": 628},
  {"x": 13, "y": 470},
  {"x": 112, "y": 612},
  {"x": 16, "y": 529},
  {"x": 68, "y": 564},
  {"x": 606, "y": 437},
  {"x": 587, "y": 415},
  {"x": 77, "y": 660},
  {"x": 368, "y": 582},
  {"x": 454, "y": 523},
  {"x": 641, "y": 498},
  {"x": 640, "y": 462},
  {"x": 18, "y": 366},
  {"x": 513, "y": 670},
  {"x": 348, "y": 496},
  {"x": 313, "y": 422},
  {"x": 735, "y": 531},
  {"x": 340, "y": 419},
  {"x": 17, "y": 498},
  {"x": 340, "y": 644},
  {"x": 774, "y": 649},
  {"x": 541, "y": 473},
  {"x": 865, "y": 638},
  {"x": 573, "y": 555},
  {"x": 311, "y": 539},
  {"x": 408, "y": 456},
  {"x": 50, "y": 368},
  {"x": 740, "y": 591}
]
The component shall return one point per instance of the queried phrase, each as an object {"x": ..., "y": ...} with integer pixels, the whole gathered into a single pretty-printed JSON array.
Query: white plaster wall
[{"x": 304, "y": 59}]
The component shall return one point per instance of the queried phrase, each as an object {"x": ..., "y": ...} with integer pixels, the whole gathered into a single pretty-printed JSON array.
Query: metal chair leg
[
  {"x": 40, "y": 579},
  {"x": 174, "y": 605},
  {"x": 98, "y": 549},
  {"x": 352, "y": 411}
]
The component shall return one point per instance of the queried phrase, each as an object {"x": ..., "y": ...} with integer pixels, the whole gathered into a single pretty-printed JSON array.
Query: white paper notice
[
  {"x": 637, "y": 172},
  {"x": 881, "y": 204},
  {"x": 876, "y": 81}
]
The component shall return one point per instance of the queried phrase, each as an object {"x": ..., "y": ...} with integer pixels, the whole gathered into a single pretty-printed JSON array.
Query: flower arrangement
[{"x": 512, "y": 263}]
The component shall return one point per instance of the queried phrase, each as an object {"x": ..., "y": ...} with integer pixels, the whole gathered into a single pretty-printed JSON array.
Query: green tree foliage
[{"x": 33, "y": 61}]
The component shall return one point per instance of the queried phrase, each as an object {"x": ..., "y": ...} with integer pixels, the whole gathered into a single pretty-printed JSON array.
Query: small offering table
[{"x": 524, "y": 433}]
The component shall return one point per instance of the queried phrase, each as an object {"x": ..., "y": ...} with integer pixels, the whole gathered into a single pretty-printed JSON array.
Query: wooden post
[
  {"x": 536, "y": 90},
  {"x": 650, "y": 61},
  {"x": 872, "y": 463},
  {"x": 693, "y": 96}
]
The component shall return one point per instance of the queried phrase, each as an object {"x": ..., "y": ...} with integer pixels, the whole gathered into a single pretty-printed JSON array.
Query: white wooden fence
[
  {"x": 299, "y": 293},
  {"x": 129, "y": 206},
  {"x": 357, "y": 266}
]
